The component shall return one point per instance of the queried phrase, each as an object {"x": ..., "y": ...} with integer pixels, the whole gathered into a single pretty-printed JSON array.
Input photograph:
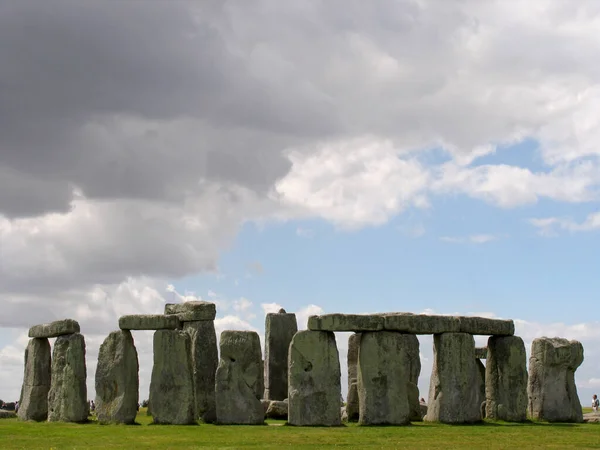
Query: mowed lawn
[{"x": 15, "y": 434}]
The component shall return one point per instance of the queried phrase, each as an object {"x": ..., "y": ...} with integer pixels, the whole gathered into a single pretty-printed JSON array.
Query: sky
[{"x": 340, "y": 156}]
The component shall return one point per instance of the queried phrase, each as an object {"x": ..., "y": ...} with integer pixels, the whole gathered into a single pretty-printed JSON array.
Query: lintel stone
[
  {"x": 346, "y": 322},
  {"x": 149, "y": 322},
  {"x": 54, "y": 329},
  {"x": 192, "y": 311}
]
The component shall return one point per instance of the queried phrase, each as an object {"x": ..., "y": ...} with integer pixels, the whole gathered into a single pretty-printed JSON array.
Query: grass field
[{"x": 22, "y": 435}]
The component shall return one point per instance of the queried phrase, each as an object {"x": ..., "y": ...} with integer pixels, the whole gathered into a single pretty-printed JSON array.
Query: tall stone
[
  {"x": 172, "y": 385},
  {"x": 279, "y": 330},
  {"x": 33, "y": 404},
  {"x": 551, "y": 389},
  {"x": 352, "y": 402},
  {"x": 413, "y": 359},
  {"x": 205, "y": 359},
  {"x": 314, "y": 384},
  {"x": 506, "y": 379},
  {"x": 239, "y": 386},
  {"x": 455, "y": 384},
  {"x": 480, "y": 373},
  {"x": 117, "y": 379},
  {"x": 67, "y": 398}
]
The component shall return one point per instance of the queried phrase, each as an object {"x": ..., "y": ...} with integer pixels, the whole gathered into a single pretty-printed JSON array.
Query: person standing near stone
[{"x": 595, "y": 403}]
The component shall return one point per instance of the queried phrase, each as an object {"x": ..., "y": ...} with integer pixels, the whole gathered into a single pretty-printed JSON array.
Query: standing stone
[
  {"x": 279, "y": 331},
  {"x": 314, "y": 380},
  {"x": 352, "y": 403},
  {"x": 480, "y": 373},
  {"x": 33, "y": 404},
  {"x": 67, "y": 398},
  {"x": 172, "y": 385},
  {"x": 205, "y": 359},
  {"x": 413, "y": 360},
  {"x": 117, "y": 380},
  {"x": 383, "y": 377},
  {"x": 506, "y": 379},
  {"x": 551, "y": 389},
  {"x": 455, "y": 386},
  {"x": 239, "y": 384}
]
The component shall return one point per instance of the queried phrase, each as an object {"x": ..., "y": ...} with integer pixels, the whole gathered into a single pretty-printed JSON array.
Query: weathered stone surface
[
  {"x": 345, "y": 322},
  {"x": 172, "y": 384},
  {"x": 506, "y": 379},
  {"x": 352, "y": 403},
  {"x": 149, "y": 322},
  {"x": 383, "y": 377},
  {"x": 33, "y": 404},
  {"x": 413, "y": 361},
  {"x": 117, "y": 379},
  {"x": 277, "y": 409},
  {"x": 314, "y": 380},
  {"x": 279, "y": 331},
  {"x": 54, "y": 329},
  {"x": 481, "y": 352},
  {"x": 265, "y": 404},
  {"x": 205, "y": 359},
  {"x": 420, "y": 323},
  {"x": 67, "y": 398},
  {"x": 7, "y": 414},
  {"x": 239, "y": 384},
  {"x": 455, "y": 386},
  {"x": 192, "y": 311},
  {"x": 593, "y": 417},
  {"x": 485, "y": 326},
  {"x": 551, "y": 389},
  {"x": 480, "y": 367}
]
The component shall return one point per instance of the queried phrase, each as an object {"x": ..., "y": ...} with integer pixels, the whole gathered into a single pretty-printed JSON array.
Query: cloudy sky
[{"x": 338, "y": 156}]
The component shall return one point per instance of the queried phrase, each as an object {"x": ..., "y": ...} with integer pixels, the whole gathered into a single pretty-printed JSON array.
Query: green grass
[{"x": 25, "y": 435}]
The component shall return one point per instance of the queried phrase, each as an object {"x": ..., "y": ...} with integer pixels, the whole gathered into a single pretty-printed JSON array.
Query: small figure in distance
[{"x": 595, "y": 403}]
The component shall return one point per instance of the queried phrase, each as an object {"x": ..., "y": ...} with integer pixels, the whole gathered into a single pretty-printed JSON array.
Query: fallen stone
[
  {"x": 593, "y": 417},
  {"x": 277, "y": 409},
  {"x": 265, "y": 404},
  {"x": 345, "y": 322},
  {"x": 279, "y": 331},
  {"x": 149, "y": 322},
  {"x": 67, "y": 398},
  {"x": 352, "y": 403},
  {"x": 192, "y": 311},
  {"x": 172, "y": 384},
  {"x": 314, "y": 380},
  {"x": 33, "y": 404},
  {"x": 420, "y": 323},
  {"x": 239, "y": 384},
  {"x": 54, "y": 329},
  {"x": 455, "y": 385},
  {"x": 551, "y": 389},
  {"x": 4, "y": 414},
  {"x": 481, "y": 352},
  {"x": 117, "y": 380},
  {"x": 485, "y": 326},
  {"x": 506, "y": 379}
]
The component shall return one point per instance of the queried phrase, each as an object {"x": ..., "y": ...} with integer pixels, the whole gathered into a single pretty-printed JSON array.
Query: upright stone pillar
[
  {"x": 413, "y": 359},
  {"x": 551, "y": 389},
  {"x": 455, "y": 385},
  {"x": 239, "y": 384},
  {"x": 33, "y": 404},
  {"x": 172, "y": 385},
  {"x": 314, "y": 383},
  {"x": 67, "y": 398},
  {"x": 352, "y": 402},
  {"x": 117, "y": 379},
  {"x": 506, "y": 379},
  {"x": 279, "y": 331}
]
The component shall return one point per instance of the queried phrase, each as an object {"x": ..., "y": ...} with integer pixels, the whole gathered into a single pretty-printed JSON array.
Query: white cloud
[
  {"x": 305, "y": 232},
  {"x": 270, "y": 307},
  {"x": 473, "y": 239},
  {"x": 549, "y": 226},
  {"x": 303, "y": 313}
]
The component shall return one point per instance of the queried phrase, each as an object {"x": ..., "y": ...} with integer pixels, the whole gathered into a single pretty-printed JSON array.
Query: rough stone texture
[
  {"x": 420, "y": 323},
  {"x": 314, "y": 380},
  {"x": 172, "y": 385},
  {"x": 352, "y": 403},
  {"x": 481, "y": 352},
  {"x": 485, "y": 326},
  {"x": 205, "y": 359},
  {"x": 413, "y": 361},
  {"x": 149, "y": 322},
  {"x": 277, "y": 409},
  {"x": 117, "y": 380},
  {"x": 345, "y": 322},
  {"x": 480, "y": 367},
  {"x": 54, "y": 329},
  {"x": 551, "y": 389},
  {"x": 33, "y": 404},
  {"x": 279, "y": 331},
  {"x": 67, "y": 398},
  {"x": 506, "y": 379},
  {"x": 239, "y": 384},
  {"x": 265, "y": 404},
  {"x": 192, "y": 311},
  {"x": 7, "y": 414},
  {"x": 383, "y": 377},
  {"x": 593, "y": 417},
  {"x": 455, "y": 386}
]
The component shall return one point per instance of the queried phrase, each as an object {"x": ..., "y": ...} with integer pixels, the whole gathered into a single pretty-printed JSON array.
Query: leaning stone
[
  {"x": 54, "y": 329},
  {"x": 33, "y": 404},
  {"x": 277, "y": 410},
  {"x": 67, "y": 398},
  {"x": 192, "y": 311},
  {"x": 551, "y": 389},
  {"x": 149, "y": 322},
  {"x": 239, "y": 386},
  {"x": 279, "y": 331},
  {"x": 455, "y": 385},
  {"x": 420, "y": 323},
  {"x": 205, "y": 359},
  {"x": 117, "y": 380},
  {"x": 314, "y": 380},
  {"x": 383, "y": 376},
  {"x": 352, "y": 403},
  {"x": 485, "y": 326},
  {"x": 172, "y": 384},
  {"x": 345, "y": 322},
  {"x": 481, "y": 352}
]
